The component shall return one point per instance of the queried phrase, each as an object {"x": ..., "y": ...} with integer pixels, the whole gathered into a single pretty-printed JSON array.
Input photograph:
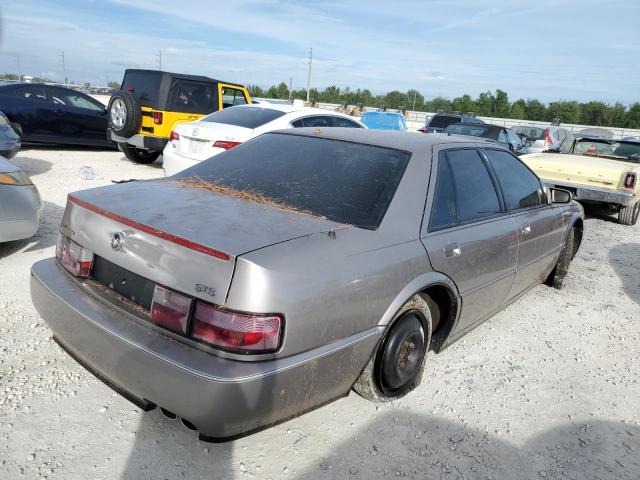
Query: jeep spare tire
[{"x": 125, "y": 115}]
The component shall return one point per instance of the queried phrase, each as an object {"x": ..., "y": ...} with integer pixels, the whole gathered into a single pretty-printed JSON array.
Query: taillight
[
  {"x": 170, "y": 309},
  {"x": 157, "y": 118},
  {"x": 547, "y": 137},
  {"x": 629, "y": 180},
  {"x": 173, "y": 136},
  {"x": 236, "y": 331},
  {"x": 225, "y": 144},
  {"x": 76, "y": 259}
]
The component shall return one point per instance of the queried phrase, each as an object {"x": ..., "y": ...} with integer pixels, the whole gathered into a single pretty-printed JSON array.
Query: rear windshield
[
  {"x": 248, "y": 117},
  {"x": 475, "y": 130},
  {"x": 532, "y": 133},
  {"x": 442, "y": 121},
  {"x": 342, "y": 181},
  {"x": 144, "y": 86}
]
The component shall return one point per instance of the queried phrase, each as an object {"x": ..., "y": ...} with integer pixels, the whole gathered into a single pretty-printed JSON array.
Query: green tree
[
  {"x": 113, "y": 84},
  {"x": 534, "y": 110},
  {"x": 518, "y": 109},
  {"x": 485, "y": 104},
  {"x": 633, "y": 116},
  {"x": 595, "y": 113},
  {"x": 501, "y": 105},
  {"x": 396, "y": 99},
  {"x": 415, "y": 99},
  {"x": 566, "y": 112},
  {"x": 464, "y": 104}
]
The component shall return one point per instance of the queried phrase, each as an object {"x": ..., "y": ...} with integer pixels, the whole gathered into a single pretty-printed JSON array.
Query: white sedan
[{"x": 190, "y": 143}]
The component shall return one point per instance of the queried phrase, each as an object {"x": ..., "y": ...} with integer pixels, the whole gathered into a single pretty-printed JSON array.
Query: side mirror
[{"x": 558, "y": 195}]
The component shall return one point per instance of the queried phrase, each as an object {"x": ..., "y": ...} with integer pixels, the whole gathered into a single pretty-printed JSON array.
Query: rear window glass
[
  {"x": 532, "y": 133},
  {"x": 247, "y": 117},
  {"x": 442, "y": 121},
  {"x": 475, "y": 130},
  {"x": 144, "y": 86},
  {"x": 345, "y": 182}
]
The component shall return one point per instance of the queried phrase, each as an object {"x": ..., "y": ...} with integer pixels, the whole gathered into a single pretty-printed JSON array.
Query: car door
[
  {"x": 30, "y": 110},
  {"x": 468, "y": 234},
  {"x": 539, "y": 225},
  {"x": 79, "y": 118}
]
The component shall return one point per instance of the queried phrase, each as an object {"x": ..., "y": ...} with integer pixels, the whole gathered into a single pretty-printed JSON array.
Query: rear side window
[
  {"x": 520, "y": 186},
  {"x": 477, "y": 197},
  {"x": 443, "y": 121},
  {"x": 345, "y": 123},
  {"x": 345, "y": 182},
  {"x": 319, "y": 121},
  {"x": 444, "y": 212},
  {"x": 144, "y": 86},
  {"x": 31, "y": 93},
  {"x": 247, "y": 117},
  {"x": 191, "y": 97}
]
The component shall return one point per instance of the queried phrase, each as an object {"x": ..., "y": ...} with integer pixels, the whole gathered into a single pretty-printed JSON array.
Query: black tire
[
  {"x": 124, "y": 114},
  {"x": 397, "y": 365},
  {"x": 629, "y": 215},
  {"x": 139, "y": 155},
  {"x": 559, "y": 272},
  {"x": 17, "y": 128}
]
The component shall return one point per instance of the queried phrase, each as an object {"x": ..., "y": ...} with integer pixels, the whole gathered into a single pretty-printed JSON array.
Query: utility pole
[
  {"x": 159, "y": 59},
  {"x": 19, "y": 57},
  {"x": 309, "y": 76},
  {"x": 415, "y": 94},
  {"x": 64, "y": 67},
  {"x": 290, "y": 87}
]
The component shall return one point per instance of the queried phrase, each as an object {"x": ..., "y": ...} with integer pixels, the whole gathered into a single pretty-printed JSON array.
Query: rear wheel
[
  {"x": 629, "y": 215},
  {"x": 139, "y": 155},
  {"x": 559, "y": 273},
  {"x": 397, "y": 365}
]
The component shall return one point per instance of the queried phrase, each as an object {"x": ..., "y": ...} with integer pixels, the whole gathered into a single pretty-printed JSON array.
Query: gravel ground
[{"x": 549, "y": 388}]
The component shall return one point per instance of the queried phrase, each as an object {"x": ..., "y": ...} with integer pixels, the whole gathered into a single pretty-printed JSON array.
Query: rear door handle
[
  {"x": 452, "y": 250},
  {"x": 525, "y": 229}
]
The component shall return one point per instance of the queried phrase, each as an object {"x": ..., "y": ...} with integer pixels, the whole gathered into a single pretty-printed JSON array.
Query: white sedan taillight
[{"x": 76, "y": 259}]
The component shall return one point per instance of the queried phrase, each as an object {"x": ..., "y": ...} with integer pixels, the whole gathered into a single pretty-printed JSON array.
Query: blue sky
[{"x": 550, "y": 50}]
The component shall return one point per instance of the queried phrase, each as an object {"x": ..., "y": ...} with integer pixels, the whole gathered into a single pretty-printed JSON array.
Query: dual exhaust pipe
[{"x": 172, "y": 416}]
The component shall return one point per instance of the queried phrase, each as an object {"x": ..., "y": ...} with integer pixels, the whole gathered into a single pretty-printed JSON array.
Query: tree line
[{"x": 487, "y": 104}]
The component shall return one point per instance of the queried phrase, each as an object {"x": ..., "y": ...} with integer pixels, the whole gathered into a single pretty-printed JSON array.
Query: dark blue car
[
  {"x": 50, "y": 114},
  {"x": 440, "y": 121}
]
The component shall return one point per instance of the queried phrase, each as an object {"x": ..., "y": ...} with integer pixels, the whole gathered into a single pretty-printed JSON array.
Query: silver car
[
  {"x": 546, "y": 139},
  {"x": 279, "y": 275},
  {"x": 20, "y": 203}
]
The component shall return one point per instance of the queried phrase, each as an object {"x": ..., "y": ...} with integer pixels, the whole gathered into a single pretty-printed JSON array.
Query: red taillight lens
[
  {"x": 174, "y": 136},
  {"x": 547, "y": 137},
  {"x": 236, "y": 331},
  {"x": 630, "y": 181},
  {"x": 225, "y": 144},
  {"x": 170, "y": 309},
  {"x": 75, "y": 259},
  {"x": 157, "y": 118}
]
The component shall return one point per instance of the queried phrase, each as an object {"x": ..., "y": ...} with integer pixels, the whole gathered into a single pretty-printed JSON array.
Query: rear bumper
[
  {"x": 174, "y": 163},
  {"x": 223, "y": 398},
  {"x": 593, "y": 194},
  {"x": 21, "y": 212},
  {"x": 144, "y": 142}
]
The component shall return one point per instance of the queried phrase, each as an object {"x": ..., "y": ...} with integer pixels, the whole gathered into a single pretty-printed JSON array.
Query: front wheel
[
  {"x": 629, "y": 215},
  {"x": 560, "y": 271},
  {"x": 397, "y": 365},
  {"x": 139, "y": 155}
]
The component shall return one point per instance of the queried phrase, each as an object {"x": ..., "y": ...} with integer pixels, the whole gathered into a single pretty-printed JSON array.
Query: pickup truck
[{"x": 595, "y": 170}]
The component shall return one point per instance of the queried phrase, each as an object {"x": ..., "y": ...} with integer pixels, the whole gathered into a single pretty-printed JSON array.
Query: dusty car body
[
  {"x": 9, "y": 140},
  {"x": 597, "y": 171},
  {"x": 20, "y": 204},
  {"x": 350, "y": 278}
]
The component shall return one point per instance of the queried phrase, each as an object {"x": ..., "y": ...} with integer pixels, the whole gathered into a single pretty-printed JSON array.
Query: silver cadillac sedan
[{"x": 284, "y": 273}]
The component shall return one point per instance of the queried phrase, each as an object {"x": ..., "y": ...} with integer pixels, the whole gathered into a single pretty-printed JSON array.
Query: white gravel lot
[{"x": 549, "y": 388}]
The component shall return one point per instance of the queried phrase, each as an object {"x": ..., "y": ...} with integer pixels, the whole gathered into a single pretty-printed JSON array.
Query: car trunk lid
[
  {"x": 197, "y": 139},
  {"x": 178, "y": 236},
  {"x": 579, "y": 169}
]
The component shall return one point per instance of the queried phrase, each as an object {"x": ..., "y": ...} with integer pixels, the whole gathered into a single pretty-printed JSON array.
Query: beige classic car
[{"x": 596, "y": 170}]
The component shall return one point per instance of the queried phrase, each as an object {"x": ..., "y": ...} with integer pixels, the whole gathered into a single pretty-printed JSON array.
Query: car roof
[
  {"x": 293, "y": 109},
  {"x": 488, "y": 126},
  {"x": 406, "y": 141},
  {"x": 383, "y": 113},
  {"x": 183, "y": 76}
]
